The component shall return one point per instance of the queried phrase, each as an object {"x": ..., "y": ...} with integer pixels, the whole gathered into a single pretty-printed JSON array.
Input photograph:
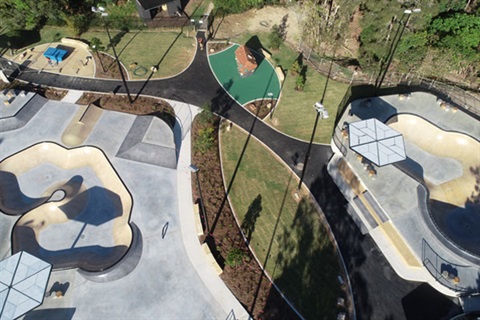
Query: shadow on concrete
[
  {"x": 57, "y": 286},
  {"x": 426, "y": 303},
  {"x": 123, "y": 267},
  {"x": 90, "y": 258},
  {"x": 51, "y": 314},
  {"x": 372, "y": 107},
  {"x": 94, "y": 206},
  {"x": 12, "y": 200},
  {"x": 459, "y": 224}
]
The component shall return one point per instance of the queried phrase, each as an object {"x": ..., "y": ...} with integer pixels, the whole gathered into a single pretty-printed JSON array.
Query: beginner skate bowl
[
  {"x": 448, "y": 165},
  {"x": 75, "y": 209}
]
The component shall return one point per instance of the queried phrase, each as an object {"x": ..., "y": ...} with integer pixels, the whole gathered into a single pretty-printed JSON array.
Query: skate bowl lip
[
  {"x": 26, "y": 233},
  {"x": 457, "y": 142}
]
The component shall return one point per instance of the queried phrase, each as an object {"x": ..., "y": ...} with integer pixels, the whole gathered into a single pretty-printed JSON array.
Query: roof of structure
[
  {"x": 376, "y": 141},
  {"x": 245, "y": 60},
  {"x": 23, "y": 279}
]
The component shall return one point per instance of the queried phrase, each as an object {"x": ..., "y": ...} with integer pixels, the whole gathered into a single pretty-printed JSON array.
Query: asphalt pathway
[{"x": 379, "y": 293}]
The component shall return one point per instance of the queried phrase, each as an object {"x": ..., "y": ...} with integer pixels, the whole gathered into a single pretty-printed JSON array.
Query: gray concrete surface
[
  {"x": 397, "y": 192},
  {"x": 172, "y": 279}
]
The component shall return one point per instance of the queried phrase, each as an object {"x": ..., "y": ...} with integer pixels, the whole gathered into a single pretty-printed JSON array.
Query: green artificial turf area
[
  {"x": 286, "y": 233},
  {"x": 263, "y": 83}
]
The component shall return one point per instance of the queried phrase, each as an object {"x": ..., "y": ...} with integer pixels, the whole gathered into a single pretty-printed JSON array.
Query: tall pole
[
  {"x": 390, "y": 58},
  {"x": 307, "y": 155},
  {"x": 118, "y": 61}
]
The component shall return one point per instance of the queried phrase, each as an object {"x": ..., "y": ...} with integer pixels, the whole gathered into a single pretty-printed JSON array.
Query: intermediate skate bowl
[
  {"x": 448, "y": 165},
  {"x": 75, "y": 209}
]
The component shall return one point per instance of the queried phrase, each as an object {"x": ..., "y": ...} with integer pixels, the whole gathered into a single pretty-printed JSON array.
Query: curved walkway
[{"x": 198, "y": 86}]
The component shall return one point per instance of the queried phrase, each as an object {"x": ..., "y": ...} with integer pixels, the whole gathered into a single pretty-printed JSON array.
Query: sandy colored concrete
[
  {"x": 400, "y": 245},
  {"x": 70, "y": 66},
  {"x": 81, "y": 125},
  {"x": 438, "y": 142},
  {"x": 56, "y": 212}
]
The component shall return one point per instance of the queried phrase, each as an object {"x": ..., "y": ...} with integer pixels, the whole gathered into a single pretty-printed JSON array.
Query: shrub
[
  {"x": 234, "y": 257},
  {"x": 300, "y": 83},
  {"x": 205, "y": 139},
  {"x": 275, "y": 37},
  {"x": 295, "y": 68}
]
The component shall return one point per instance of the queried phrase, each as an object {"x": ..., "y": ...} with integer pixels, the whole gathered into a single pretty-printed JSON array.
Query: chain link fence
[{"x": 448, "y": 91}]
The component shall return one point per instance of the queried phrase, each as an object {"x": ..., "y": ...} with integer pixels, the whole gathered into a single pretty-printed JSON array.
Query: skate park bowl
[
  {"x": 448, "y": 164},
  {"x": 74, "y": 208}
]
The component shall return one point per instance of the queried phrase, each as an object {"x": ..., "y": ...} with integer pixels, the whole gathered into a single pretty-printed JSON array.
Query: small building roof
[
  {"x": 245, "y": 60},
  {"x": 376, "y": 141}
]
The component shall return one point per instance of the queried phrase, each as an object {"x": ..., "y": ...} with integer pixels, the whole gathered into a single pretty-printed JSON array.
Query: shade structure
[
  {"x": 55, "y": 54},
  {"x": 23, "y": 279},
  {"x": 376, "y": 142}
]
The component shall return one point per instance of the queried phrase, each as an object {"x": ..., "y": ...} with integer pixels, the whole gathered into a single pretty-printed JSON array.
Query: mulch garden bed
[
  {"x": 141, "y": 105},
  {"x": 261, "y": 108},
  {"x": 246, "y": 280},
  {"x": 107, "y": 67}
]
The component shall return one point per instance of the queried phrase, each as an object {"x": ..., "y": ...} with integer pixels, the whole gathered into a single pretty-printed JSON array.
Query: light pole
[
  {"x": 193, "y": 168},
  {"x": 407, "y": 12},
  {"x": 103, "y": 14},
  {"x": 321, "y": 113}
]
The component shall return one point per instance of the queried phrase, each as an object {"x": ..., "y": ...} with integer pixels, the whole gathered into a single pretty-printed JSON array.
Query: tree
[
  {"x": 275, "y": 37},
  {"x": 26, "y": 14},
  {"x": 459, "y": 32},
  {"x": 96, "y": 45}
]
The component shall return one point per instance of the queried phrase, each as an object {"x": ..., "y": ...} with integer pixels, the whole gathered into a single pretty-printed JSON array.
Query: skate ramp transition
[
  {"x": 448, "y": 164},
  {"x": 75, "y": 209}
]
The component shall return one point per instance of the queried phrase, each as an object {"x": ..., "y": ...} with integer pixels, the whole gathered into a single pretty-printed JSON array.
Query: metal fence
[
  {"x": 436, "y": 265},
  {"x": 449, "y": 91}
]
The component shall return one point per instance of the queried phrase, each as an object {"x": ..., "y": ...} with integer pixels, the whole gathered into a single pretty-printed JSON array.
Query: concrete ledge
[
  {"x": 198, "y": 223},
  {"x": 280, "y": 74},
  {"x": 211, "y": 259}
]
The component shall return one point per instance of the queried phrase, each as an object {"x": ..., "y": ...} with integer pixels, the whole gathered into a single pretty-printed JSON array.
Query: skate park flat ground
[{"x": 163, "y": 283}]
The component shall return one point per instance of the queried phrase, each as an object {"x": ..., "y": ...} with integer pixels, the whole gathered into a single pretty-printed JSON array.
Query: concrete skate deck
[{"x": 76, "y": 206}]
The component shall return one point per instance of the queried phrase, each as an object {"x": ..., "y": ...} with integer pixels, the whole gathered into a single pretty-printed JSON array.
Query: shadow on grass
[
  {"x": 272, "y": 240},
  {"x": 250, "y": 219},
  {"x": 308, "y": 265}
]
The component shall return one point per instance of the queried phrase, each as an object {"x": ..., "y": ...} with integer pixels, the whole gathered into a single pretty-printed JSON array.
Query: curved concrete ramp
[
  {"x": 453, "y": 186},
  {"x": 84, "y": 225},
  {"x": 81, "y": 125}
]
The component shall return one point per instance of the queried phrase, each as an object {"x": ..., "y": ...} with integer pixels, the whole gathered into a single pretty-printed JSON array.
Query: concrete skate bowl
[
  {"x": 75, "y": 209},
  {"x": 448, "y": 165}
]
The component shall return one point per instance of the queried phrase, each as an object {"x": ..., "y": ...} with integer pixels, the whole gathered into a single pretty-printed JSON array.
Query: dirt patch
[
  {"x": 256, "y": 21},
  {"x": 246, "y": 281}
]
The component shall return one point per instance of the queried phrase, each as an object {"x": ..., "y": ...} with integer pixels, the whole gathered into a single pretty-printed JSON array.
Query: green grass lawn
[
  {"x": 244, "y": 89},
  {"x": 172, "y": 49},
  {"x": 295, "y": 114},
  {"x": 301, "y": 258}
]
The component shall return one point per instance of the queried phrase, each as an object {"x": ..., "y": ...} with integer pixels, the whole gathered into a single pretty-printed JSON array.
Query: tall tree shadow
[{"x": 250, "y": 219}]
